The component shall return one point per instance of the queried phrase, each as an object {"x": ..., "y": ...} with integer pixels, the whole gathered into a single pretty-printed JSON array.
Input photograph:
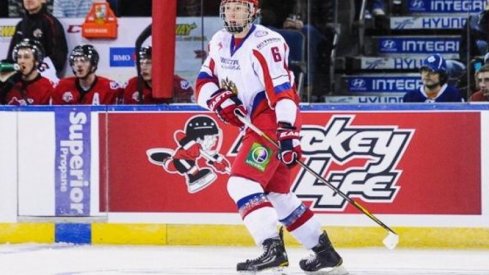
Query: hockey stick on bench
[{"x": 392, "y": 238}]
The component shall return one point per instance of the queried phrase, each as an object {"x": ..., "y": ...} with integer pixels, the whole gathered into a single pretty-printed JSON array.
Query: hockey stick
[
  {"x": 211, "y": 158},
  {"x": 392, "y": 238}
]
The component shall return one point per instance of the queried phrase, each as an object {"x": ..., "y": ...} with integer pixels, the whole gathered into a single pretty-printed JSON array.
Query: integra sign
[{"x": 443, "y": 6}]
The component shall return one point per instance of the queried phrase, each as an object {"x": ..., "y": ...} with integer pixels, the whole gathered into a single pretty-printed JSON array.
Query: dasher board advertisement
[
  {"x": 410, "y": 164},
  {"x": 405, "y": 164}
]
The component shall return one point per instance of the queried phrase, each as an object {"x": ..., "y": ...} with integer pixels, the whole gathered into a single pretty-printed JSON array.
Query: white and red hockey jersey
[{"x": 256, "y": 70}]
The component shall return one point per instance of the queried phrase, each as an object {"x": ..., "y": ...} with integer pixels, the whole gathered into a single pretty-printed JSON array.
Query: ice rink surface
[{"x": 63, "y": 259}]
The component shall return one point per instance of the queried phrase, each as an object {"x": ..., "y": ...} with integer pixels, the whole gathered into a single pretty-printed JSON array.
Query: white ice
[{"x": 64, "y": 259}]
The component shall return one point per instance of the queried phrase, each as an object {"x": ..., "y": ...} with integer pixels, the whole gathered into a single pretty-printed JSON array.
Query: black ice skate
[
  {"x": 274, "y": 256},
  {"x": 325, "y": 259}
]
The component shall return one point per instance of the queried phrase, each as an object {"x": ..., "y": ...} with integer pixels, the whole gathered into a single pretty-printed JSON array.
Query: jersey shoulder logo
[
  {"x": 114, "y": 85},
  {"x": 67, "y": 96},
  {"x": 135, "y": 96}
]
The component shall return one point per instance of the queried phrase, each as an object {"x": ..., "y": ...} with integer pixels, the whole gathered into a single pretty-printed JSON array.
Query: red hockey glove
[
  {"x": 190, "y": 151},
  {"x": 290, "y": 145},
  {"x": 224, "y": 103}
]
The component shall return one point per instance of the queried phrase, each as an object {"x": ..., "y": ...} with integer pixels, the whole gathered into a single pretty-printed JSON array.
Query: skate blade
[
  {"x": 282, "y": 270},
  {"x": 338, "y": 270},
  {"x": 273, "y": 271}
]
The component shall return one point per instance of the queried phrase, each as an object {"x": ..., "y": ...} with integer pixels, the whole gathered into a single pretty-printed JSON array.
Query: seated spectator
[
  {"x": 434, "y": 76},
  {"x": 375, "y": 8},
  {"x": 476, "y": 29},
  {"x": 86, "y": 87},
  {"x": 39, "y": 24},
  {"x": 27, "y": 87},
  {"x": 71, "y": 8},
  {"x": 274, "y": 13},
  {"x": 16, "y": 7},
  {"x": 139, "y": 88},
  {"x": 482, "y": 77},
  {"x": 280, "y": 14}
]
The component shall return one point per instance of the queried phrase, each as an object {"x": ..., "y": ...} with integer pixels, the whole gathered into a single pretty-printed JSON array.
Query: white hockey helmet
[{"x": 242, "y": 17}]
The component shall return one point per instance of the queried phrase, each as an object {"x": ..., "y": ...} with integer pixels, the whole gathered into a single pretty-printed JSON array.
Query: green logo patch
[{"x": 259, "y": 156}]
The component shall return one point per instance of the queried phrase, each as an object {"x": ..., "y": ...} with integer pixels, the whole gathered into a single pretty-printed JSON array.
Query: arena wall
[{"x": 84, "y": 174}]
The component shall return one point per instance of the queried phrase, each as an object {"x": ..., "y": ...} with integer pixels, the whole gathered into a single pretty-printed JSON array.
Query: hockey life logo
[
  {"x": 445, "y": 6},
  {"x": 361, "y": 161},
  {"x": 195, "y": 155},
  {"x": 418, "y": 45},
  {"x": 418, "y": 23},
  {"x": 73, "y": 150}
]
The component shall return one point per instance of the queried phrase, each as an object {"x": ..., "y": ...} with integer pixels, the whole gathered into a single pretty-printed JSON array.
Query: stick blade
[{"x": 391, "y": 240}]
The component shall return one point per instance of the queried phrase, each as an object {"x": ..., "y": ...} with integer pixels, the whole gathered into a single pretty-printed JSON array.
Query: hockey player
[
  {"x": 27, "y": 86},
  {"x": 434, "y": 76},
  {"x": 246, "y": 71},
  {"x": 86, "y": 87},
  {"x": 182, "y": 90}
]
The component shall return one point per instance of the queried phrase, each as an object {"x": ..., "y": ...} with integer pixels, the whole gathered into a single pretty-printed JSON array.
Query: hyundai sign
[
  {"x": 382, "y": 84},
  {"x": 445, "y": 6},
  {"x": 424, "y": 22},
  {"x": 419, "y": 45},
  {"x": 391, "y": 63}
]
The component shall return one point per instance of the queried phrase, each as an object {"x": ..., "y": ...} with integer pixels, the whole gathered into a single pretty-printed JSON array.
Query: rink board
[{"x": 94, "y": 183}]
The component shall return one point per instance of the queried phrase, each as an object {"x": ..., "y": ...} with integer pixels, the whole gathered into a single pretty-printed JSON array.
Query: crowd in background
[
  {"x": 38, "y": 52},
  {"x": 66, "y": 8},
  {"x": 313, "y": 20}
]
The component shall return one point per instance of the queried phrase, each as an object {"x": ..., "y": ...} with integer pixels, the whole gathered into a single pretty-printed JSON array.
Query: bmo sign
[{"x": 122, "y": 57}]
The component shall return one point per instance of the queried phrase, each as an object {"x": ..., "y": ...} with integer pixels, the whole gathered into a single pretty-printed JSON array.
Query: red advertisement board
[{"x": 392, "y": 162}]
